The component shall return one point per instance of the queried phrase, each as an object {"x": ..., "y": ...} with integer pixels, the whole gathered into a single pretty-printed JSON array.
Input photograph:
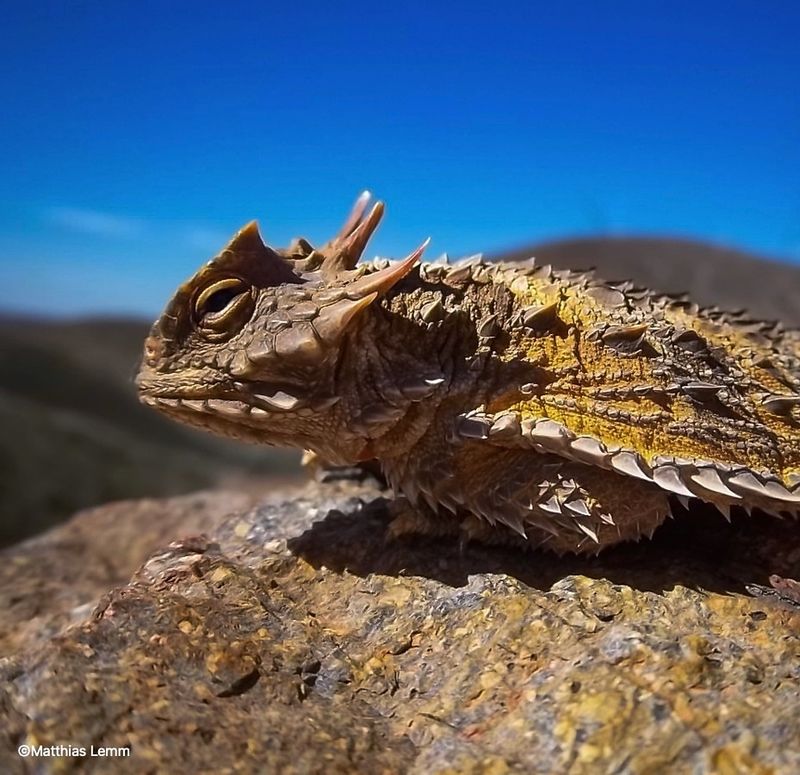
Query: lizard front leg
[{"x": 500, "y": 494}]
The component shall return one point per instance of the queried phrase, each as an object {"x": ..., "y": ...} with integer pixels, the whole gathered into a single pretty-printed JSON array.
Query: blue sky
[{"x": 136, "y": 136}]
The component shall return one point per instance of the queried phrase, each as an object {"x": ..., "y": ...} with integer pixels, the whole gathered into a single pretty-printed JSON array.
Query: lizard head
[{"x": 249, "y": 346}]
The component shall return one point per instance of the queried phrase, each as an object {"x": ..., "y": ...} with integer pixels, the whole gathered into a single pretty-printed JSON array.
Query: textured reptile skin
[{"x": 500, "y": 399}]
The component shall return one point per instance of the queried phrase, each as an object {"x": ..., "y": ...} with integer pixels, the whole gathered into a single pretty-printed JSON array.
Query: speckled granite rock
[
  {"x": 293, "y": 638},
  {"x": 54, "y": 579}
]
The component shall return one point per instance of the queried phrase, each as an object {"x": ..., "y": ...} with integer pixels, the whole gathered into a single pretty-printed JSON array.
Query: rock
[
  {"x": 289, "y": 635},
  {"x": 53, "y": 579}
]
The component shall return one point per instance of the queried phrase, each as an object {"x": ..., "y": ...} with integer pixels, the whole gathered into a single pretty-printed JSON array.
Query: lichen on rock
[{"x": 288, "y": 634}]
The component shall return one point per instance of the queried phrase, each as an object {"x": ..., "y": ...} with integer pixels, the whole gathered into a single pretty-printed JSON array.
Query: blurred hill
[
  {"x": 729, "y": 278},
  {"x": 75, "y": 435}
]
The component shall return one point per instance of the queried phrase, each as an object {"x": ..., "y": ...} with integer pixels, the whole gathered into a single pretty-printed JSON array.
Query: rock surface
[{"x": 288, "y": 635}]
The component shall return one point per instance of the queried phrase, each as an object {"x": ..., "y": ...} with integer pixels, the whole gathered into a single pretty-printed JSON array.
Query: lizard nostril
[{"x": 153, "y": 350}]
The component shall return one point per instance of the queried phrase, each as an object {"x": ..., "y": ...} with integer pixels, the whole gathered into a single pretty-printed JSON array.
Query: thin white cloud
[
  {"x": 95, "y": 222},
  {"x": 206, "y": 238}
]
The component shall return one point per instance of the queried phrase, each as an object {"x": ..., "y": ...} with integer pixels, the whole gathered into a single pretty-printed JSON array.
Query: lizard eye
[{"x": 220, "y": 305}]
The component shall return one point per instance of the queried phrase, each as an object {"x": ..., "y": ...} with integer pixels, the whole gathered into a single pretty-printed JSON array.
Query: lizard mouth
[
  {"x": 242, "y": 403},
  {"x": 266, "y": 416},
  {"x": 223, "y": 416},
  {"x": 245, "y": 420}
]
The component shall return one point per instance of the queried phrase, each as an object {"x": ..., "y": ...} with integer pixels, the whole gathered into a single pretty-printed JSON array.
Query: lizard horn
[
  {"x": 334, "y": 318},
  {"x": 356, "y": 214},
  {"x": 381, "y": 281},
  {"x": 247, "y": 252},
  {"x": 344, "y": 250},
  {"x": 247, "y": 239}
]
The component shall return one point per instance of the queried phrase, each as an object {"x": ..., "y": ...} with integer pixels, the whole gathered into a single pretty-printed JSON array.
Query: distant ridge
[
  {"x": 75, "y": 434},
  {"x": 711, "y": 274}
]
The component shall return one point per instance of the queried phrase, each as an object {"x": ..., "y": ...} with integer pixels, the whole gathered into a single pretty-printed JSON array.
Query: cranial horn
[
  {"x": 246, "y": 240},
  {"x": 247, "y": 255},
  {"x": 335, "y": 318},
  {"x": 356, "y": 214},
  {"x": 381, "y": 281},
  {"x": 343, "y": 251},
  {"x": 354, "y": 245}
]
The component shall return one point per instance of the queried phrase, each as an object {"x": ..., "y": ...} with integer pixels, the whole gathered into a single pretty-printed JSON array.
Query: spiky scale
[
  {"x": 505, "y": 426},
  {"x": 668, "y": 478},
  {"x": 710, "y": 481},
  {"x": 562, "y": 409}
]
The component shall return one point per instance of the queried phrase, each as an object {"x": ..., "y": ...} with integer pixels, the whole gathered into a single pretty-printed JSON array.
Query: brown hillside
[
  {"x": 711, "y": 274},
  {"x": 75, "y": 434}
]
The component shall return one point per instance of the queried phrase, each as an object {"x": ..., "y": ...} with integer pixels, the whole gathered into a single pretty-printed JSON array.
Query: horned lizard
[{"x": 499, "y": 399}]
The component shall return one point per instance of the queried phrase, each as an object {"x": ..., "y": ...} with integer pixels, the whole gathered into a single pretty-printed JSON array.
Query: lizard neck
[{"x": 414, "y": 351}]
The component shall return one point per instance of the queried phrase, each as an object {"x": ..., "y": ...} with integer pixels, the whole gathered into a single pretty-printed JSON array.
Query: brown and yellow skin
[{"x": 500, "y": 400}]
